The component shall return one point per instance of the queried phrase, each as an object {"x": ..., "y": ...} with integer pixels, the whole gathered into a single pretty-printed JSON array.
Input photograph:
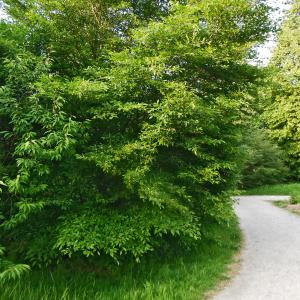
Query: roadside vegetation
[
  {"x": 125, "y": 128},
  {"x": 175, "y": 274},
  {"x": 288, "y": 189},
  {"x": 120, "y": 135}
]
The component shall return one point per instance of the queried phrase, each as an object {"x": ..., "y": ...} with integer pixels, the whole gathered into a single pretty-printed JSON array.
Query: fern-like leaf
[{"x": 12, "y": 271}]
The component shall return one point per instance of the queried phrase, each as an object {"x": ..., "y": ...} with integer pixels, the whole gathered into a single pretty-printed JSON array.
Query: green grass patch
[
  {"x": 286, "y": 205},
  {"x": 289, "y": 189},
  {"x": 281, "y": 204},
  {"x": 189, "y": 274}
]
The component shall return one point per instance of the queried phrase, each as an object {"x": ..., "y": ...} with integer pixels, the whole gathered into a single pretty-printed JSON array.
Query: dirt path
[{"x": 270, "y": 267}]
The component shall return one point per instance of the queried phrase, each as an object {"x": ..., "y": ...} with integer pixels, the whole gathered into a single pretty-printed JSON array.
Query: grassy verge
[
  {"x": 290, "y": 207},
  {"x": 182, "y": 276},
  {"x": 290, "y": 189},
  {"x": 282, "y": 204}
]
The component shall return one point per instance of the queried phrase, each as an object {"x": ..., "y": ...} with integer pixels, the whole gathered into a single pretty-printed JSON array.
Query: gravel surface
[{"x": 270, "y": 260}]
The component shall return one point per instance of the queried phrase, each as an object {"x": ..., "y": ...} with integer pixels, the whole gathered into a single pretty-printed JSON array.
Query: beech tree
[
  {"x": 116, "y": 152},
  {"x": 283, "y": 115}
]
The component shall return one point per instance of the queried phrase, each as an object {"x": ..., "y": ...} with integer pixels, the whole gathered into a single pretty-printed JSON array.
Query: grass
[
  {"x": 189, "y": 275},
  {"x": 282, "y": 204},
  {"x": 289, "y": 189},
  {"x": 287, "y": 205}
]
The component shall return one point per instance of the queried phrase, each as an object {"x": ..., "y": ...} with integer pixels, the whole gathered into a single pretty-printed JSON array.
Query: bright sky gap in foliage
[{"x": 265, "y": 51}]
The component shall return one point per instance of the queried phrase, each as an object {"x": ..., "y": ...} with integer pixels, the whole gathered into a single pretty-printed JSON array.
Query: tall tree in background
[
  {"x": 113, "y": 150},
  {"x": 283, "y": 115}
]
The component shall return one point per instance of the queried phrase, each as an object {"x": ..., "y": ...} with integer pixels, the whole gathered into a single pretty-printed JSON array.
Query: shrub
[{"x": 136, "y": 148}]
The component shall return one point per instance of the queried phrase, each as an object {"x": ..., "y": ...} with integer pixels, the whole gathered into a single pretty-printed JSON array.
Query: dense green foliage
[
  {"x": 76, "y": 34},
  {"x": 263, "y": 160},
  {"x": 9, "y": 270},
  {"x": 179, "y": 274},
  {"x": 283, "y": 115},
  {"x": 125, "y": 132}
]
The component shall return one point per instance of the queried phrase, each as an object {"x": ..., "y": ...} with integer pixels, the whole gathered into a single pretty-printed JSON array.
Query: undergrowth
[{"x": 181, "y": 274}]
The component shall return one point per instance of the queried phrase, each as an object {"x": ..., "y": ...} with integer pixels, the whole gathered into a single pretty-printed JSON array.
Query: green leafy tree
[
  {"x": 263, "y": 160},
  {"x": 136, "y": 148},
  {"x": 283, "y": 115},
  {"x": 74, "y": 34}
]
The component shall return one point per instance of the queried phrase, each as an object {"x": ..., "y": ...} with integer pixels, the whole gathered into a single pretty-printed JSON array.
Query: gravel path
[{"x": 270, "y": 260}]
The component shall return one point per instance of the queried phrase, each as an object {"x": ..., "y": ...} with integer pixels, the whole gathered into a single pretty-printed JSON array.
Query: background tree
[
  {"x": 264, "y": 161},
  {"x": 283, "y": 115}
]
